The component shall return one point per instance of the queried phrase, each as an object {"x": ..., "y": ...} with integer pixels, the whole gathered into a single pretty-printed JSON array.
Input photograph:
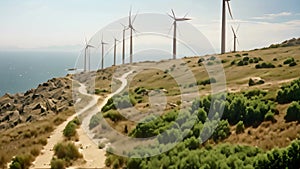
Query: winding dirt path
[{"x": 94, "y": 157}]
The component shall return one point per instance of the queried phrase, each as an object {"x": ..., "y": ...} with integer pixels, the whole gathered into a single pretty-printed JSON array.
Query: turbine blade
[
  {"x": 173, "y": 14},
  {"x": 229, "y": 9},
  {"x": 186, "y": 15},
  {"x": 130, "y": 15},
  {"x": 170, "y": 16},
  {"x": 135, "y": 17},
  {"x": 170, "y": 29},
  {"x": 233, "y": 30},
  {"x": 85, "y": 42},
  {"x": 238, "y": 42},
  {"x": 178, "y": 29},
  {"x": 238, "y": 28}
]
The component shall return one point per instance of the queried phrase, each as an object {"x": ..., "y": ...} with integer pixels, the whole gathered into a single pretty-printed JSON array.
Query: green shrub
[
  {"x": 97, "y": 91},
  {"x": 232, "y": 62},
  {"x": 66, "y": 151},
  {"x": 35, "y": 151},
  {"x": 288, "y": 61},
  {"x": 101, "y": 145},
  {"x": 21, "y": 162},
  {"x": 240, "y": 63},
  {"x": 292, "y": 64},
  {"x": 270, "y": 117},
  {"x": 222, "y": 131},
  {"x": 201, "y": 60},
  {"x": 202, "y": 115},
  {"x": 289, "y": 93},
  {"x": 224, "y": 61},
  {"x": 57, "y": 164},
  {"x": 264, "y": 65},
  {"x": 255, "y": 60},
  {"x": 293, "y": 112},
  {"x": 207, "y": 82},
  {"x": 246, "y": 59},
  {"x": 76, "y": 121},
  {"x": 251, "y": 60},
  {"x": 114, "y": 115},
  {"x": 70, "y": 130},
  {"x": 238, "y": 55},
  {"x": 240, "y": 127},
  {"x": 95, "y": 121}
]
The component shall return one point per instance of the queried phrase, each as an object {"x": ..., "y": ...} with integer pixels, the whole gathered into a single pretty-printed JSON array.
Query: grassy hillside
[
  {"x": 255, "y": 120},
  {"x": 254, "y": 76}
]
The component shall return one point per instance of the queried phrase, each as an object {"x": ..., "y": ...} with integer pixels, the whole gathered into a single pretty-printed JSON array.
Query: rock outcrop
[{"x": 51, "y": 97}]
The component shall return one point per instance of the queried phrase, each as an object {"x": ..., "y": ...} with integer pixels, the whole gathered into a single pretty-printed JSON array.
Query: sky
[{"x": 64, "y": 24}]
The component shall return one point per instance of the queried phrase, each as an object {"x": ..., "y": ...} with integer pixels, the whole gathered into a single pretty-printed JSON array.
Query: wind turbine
[
  {"x": 130, "y": 26},
  {"x": 223, "y": 39},
  {"x": 123, "y": 50},
  {"x": 173, "y": 16},
  {"x": 235, "y": 40},
  {"x": 102, "y": 44},
  {"x": 87, "y": 46},
  {"x": 115, "y": 50}
]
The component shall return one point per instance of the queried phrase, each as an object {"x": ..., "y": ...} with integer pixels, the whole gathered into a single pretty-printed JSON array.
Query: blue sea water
[{"x": 24, "y": 70}]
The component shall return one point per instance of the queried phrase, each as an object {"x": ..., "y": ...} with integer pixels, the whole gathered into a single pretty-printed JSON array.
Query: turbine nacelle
[
  {"x": 182, "y": 19},
  {"x": 173, "y": 16}
]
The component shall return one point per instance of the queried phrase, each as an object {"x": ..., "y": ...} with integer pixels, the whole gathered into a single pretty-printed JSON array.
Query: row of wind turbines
[{"x": 132, "y": 30}]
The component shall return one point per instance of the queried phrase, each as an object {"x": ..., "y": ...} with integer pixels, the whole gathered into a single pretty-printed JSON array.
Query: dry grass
[
  {"x": 268, "y": 135},
  {"x": 29, "y": 138}
]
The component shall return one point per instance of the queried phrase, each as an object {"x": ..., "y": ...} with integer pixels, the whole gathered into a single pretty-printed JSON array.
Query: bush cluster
[
  {"x": 207, "y": 81},
  {"x": 187, "y": 154},
  {"x": 119, "y": 101},
  {"x": 246, "y": 60},
  {"x": 21, "y": 162},
  {"x": 70, "y": 129},
  {"x": 289, "y": 92},
  {"x": 66, "y": 152},
  {"x": 293, "y": 112},
  {"x": 264, "y": 65}
]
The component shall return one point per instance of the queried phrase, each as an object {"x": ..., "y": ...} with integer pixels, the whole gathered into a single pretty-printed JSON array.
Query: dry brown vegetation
[{"x": 29, "y": 138}]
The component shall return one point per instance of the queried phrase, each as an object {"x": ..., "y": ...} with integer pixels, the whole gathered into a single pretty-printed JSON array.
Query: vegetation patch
[
  {"x": 21, "y": 162},
  {"x": 293, "y": 112},
  {"x": 70, "y": 129},
  {"x": 67, "y": 152},
  {"x": 289, "y": 92},
  {"x": 264, "y": 65}
]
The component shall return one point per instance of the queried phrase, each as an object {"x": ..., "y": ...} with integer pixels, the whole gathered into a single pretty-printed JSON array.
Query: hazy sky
[{"x": 47, "y": 23}]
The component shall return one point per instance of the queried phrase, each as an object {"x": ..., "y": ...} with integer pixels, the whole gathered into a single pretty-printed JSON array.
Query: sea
[
  {"x": 24, "y": 70},
  {"x": 21, "y": 70}
]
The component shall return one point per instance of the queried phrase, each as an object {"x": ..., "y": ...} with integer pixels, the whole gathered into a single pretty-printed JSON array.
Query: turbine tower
[
  {"x": 173, "y": 16},
  {"x": 130, "y": 26},
  {"x": 223, "y": 39},
  {"x": 235, "y": 39},
  {"x": 115, "y": 51},
  {"x": 86, "y": 56},
  {"x": 123, "y": 50},
  {"x": 102, "y": 44}
]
